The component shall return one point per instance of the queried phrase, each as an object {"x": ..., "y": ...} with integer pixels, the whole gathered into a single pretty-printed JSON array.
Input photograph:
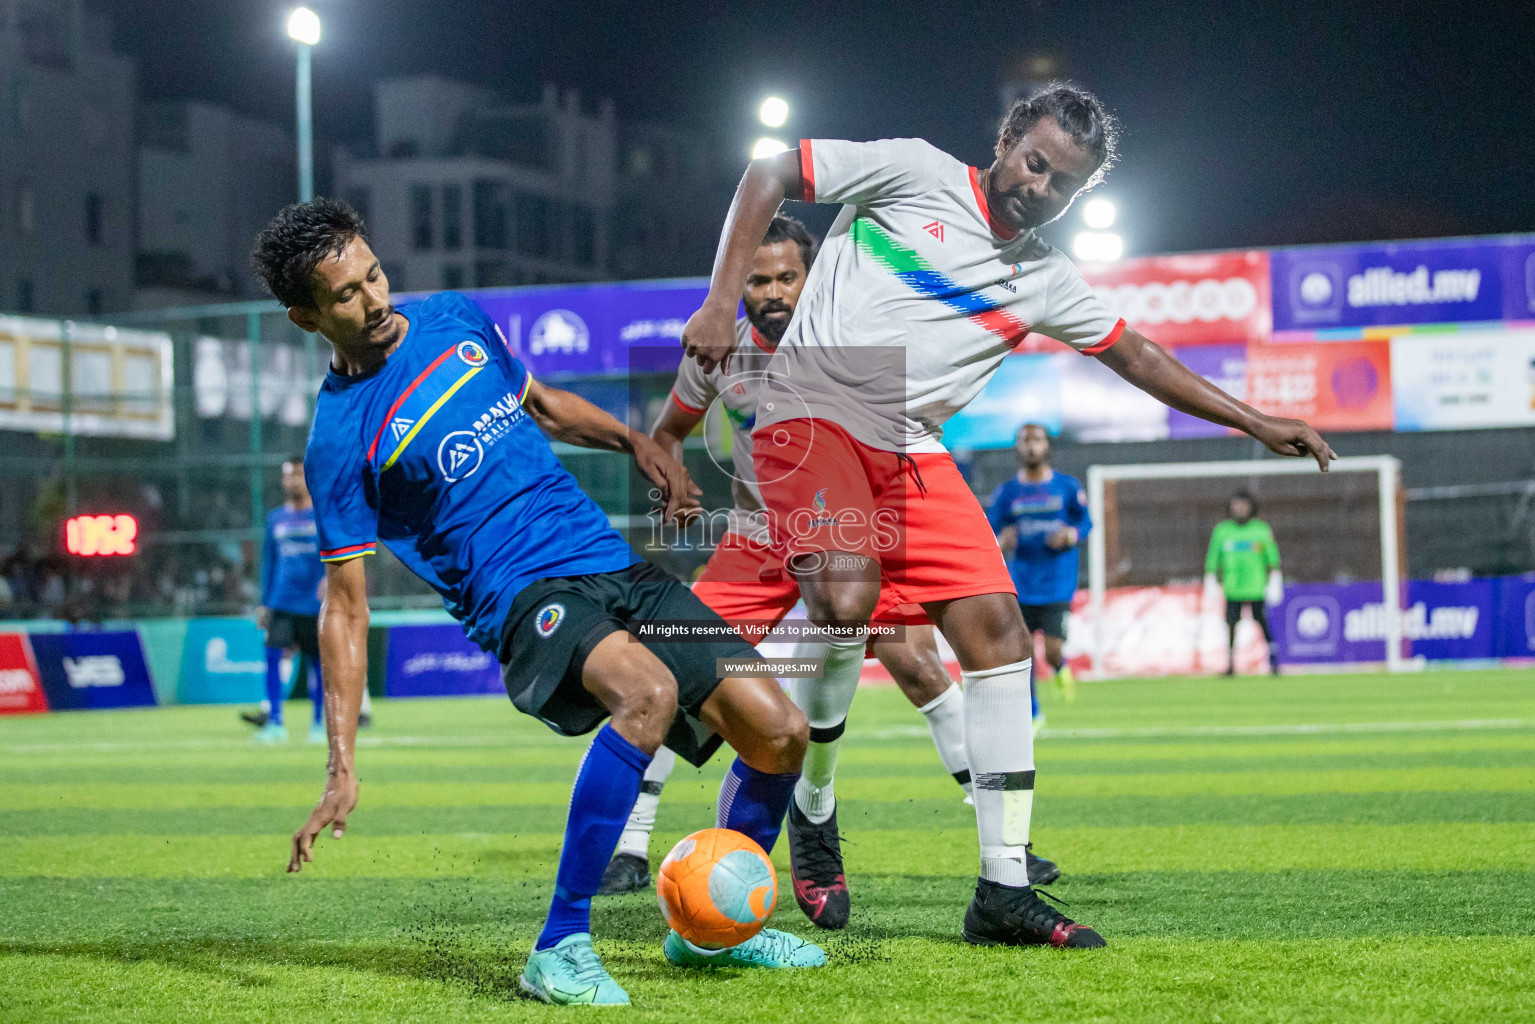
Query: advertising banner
[
  {"x": 1225, "y": 366},
  {"x": 1464, "y": 379},
  {"x": 1202, "y": 299},
  {"x": 589, "y": 329},
  {"x": 1516, "y": 617},
  {"x": 1341, "y": 622},
  {"x": 21, "y": 692},
  {"x": 1159, "y": 631},
  {"x": 1066, "y": 394},
  {"x": 1331, "y": 385},
  {"x": 223, "y": 662},
  {"x": 85, "y": 670},
  {"x": 438, "y": 661},
  {"x": 1451, "y": 281}
]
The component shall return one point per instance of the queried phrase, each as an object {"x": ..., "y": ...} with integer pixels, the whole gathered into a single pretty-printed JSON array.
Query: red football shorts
[
  {"x": 732, "y": 585},
  {"x": 827, "y": 491}
]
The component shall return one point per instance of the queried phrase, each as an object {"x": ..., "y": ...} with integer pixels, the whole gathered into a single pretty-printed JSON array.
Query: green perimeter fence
[{"x": 182, "y": 419}]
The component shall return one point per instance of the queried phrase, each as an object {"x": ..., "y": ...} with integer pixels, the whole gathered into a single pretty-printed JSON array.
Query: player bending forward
[
  {"x": 931, "y": 274},
  {"x": 427, "y": 435},
  {"x": 730, "y": 585}
]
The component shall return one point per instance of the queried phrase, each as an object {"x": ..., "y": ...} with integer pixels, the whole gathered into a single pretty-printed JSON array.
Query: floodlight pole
[{"x": 305, "y": 126}]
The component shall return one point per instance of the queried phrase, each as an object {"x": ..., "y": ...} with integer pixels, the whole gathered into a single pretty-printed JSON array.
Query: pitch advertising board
[
  {"x": 223, "y": 662},
  {"x": 21, "y": 692},
  {"x": 438, "y": 661},
  {"x": 87, "y": 670},
  {"x": 1448, "y": 281},
  {"x": 1340, "y": 622}
]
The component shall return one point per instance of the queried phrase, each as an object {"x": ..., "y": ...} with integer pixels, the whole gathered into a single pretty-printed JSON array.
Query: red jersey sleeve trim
[
  {"x": 1107, "y": 342},
  {"x": 998, "y": 228},
  {"x": 806, "y": 171},
  {"x": 685, "y": 407}
]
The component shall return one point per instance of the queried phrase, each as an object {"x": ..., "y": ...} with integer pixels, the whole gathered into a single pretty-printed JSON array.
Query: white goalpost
[{"x": 1386, "y": 469}]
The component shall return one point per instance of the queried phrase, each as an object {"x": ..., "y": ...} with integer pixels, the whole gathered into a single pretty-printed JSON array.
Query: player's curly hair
[
  {"x": 297, "y": 240},
  {"x": 1080, "y": 114},
  {"x": 789, "y": 229}
]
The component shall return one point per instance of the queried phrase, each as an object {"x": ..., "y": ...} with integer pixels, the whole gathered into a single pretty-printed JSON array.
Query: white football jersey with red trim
[{"x": 916, "y": 297}]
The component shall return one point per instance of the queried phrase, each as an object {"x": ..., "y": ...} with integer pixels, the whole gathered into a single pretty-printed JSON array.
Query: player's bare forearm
[
  {"x": 674, "y": 425},
  {"x": 710, "y": 336},
  {"x": 1151, "y": 368},
  {"x": 573, "y": 420},
  {"x": 344, "y": 657},
  {"x": 344, "y": 660}
]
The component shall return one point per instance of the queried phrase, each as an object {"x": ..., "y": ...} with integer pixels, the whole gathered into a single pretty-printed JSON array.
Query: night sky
[{"x": 1252, "y": 124}]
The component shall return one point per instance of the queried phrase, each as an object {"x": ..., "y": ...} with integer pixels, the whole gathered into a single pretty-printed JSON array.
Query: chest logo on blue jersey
[
  {"x": 549, "y": 618},
  {"x": 459, "y": 455},
  {"x": 471, "y": 353}
]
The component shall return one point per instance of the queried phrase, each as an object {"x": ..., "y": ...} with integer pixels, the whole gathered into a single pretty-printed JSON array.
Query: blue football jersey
[
  {"x": 433, "y": 454},
  {"x": 1042, "y": 574},
  {"x": 291, "y": 566}
]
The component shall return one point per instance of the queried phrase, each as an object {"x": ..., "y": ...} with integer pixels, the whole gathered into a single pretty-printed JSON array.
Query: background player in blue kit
[
  {"x": 1041, "y": 519},
  {"x": 291, "y": 577},
  {"x": 430, "y": 435}
]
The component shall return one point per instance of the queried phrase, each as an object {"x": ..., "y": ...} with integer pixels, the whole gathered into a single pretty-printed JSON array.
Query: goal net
[{"x": 1148, "y": 611}]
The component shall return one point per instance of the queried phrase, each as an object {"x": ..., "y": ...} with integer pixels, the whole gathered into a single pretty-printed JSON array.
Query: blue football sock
[
  {"x": 607, "y": 784},
  {"x": 754, "y": 802},
  {"x": 316, "y": 690},
  {"x": 274, "y": 685}
]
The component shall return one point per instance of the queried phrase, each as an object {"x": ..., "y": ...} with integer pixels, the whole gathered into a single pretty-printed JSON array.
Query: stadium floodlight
[
  {"x": 304, "y": 26},
  {"x": 1107, "y": 501},
  {"x": 1098, "y": 213},
  {"x": 1098, "y": 246},
  {"x": 773, "y": 112},
  {"x": 766, "y": 146}
]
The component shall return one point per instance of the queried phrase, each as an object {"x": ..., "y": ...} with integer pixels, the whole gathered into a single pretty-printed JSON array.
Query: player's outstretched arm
[
  {"x": 573, "y": 420},
  {"x": 710, "y": 334},
  {"x": 674, "y": 425},
  {"x": 1149, "y": 367},
  {"x": 344, "y": 662}
]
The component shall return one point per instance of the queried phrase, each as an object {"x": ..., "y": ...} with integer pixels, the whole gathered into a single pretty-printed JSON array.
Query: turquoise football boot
[
  {"x": 569, "y": 974},
  {"x": 768, "y": 948},
  {"x": 271, "y": 734}
]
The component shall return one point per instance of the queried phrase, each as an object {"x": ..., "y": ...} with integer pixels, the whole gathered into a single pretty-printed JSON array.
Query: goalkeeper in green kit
[{"x": 1245, "y": 559}]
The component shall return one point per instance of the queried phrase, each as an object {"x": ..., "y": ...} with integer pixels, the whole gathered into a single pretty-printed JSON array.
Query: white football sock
[
  {"x": 999, "y": 740},
  {"x": 635, "y": 839},
  {"x": 945, "y": 715},
  {"x": 825, "y": 702}
]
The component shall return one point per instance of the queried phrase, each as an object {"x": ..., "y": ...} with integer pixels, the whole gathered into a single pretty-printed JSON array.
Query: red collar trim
[
  {"x": 998, "y": 228},
  {"x": 763, "y": 345}
]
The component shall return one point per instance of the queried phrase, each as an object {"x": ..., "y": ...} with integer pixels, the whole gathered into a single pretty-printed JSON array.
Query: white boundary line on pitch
[
  {"x": 1298, "y": 729},
  {"x": 897, "y": 732}
]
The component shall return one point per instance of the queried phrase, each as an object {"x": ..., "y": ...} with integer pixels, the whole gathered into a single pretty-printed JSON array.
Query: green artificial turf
[{"x": 1316, "y": 848}]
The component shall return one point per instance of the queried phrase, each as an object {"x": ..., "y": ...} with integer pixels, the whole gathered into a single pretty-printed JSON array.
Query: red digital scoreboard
[{"x": 94, "y": 536}]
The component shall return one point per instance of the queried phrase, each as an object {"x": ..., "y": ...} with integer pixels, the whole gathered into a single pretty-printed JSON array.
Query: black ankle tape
[
  {"x": 962, "y": 776},
  {"x": 830, "y": 734},
  {"x": 1005, "y": 782}
]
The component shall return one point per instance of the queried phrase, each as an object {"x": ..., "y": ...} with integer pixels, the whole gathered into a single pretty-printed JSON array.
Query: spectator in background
[
  {"x": 292, "y": 578},
  {"x": 1040, "y": 517},
  {"x": 1244, "y": 559}
]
